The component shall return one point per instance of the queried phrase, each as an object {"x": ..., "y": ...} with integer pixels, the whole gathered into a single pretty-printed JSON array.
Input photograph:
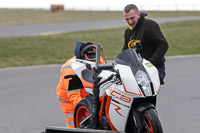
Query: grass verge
[
  {"x": 183, "y": 38},
  {"x": 24, "y": 16}
]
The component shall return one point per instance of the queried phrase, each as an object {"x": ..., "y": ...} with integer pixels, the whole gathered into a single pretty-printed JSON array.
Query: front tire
[{"x": 151, "y": 122}]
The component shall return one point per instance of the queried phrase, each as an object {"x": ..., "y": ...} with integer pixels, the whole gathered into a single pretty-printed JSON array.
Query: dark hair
[{"x": 130, "y": 7}]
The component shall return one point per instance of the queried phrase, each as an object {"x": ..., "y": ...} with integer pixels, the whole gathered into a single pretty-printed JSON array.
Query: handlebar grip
[{"x": 107, "y": 66}]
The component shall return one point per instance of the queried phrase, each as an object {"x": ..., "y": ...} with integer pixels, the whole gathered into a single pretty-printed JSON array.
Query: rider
[{"x": 68, "y": 98}]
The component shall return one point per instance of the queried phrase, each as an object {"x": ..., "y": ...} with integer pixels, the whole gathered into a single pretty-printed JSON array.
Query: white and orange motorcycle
[{"x": 121, "y": 97}]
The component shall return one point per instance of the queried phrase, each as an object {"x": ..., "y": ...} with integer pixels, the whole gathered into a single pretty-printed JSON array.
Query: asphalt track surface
[
  {"x": 45, "y": 29},
  {"x": 28, "y": 101}
]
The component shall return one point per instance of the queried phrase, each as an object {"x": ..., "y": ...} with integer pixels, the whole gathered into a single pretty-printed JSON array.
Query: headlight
[{"x": 144, "y": 82}]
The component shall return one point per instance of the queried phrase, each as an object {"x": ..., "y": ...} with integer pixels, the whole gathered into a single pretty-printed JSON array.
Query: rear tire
[
  {"x": 82, "y": 111},
  {"x": 151, "y": 122}
]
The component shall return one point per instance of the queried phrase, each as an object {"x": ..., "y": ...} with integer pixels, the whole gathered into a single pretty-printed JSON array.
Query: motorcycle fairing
[
  {"x": 118, "y": 117},
  {"x": 129, "y": 82},
  {"x": 128, "y": 64},
  {"x": 79, "y": 67},
  {"x": 87, "y": 78},
  {"x": 153, "y": 74},
  {"x": 119, "y": 108},
  {"x": 104, "y": 75}
]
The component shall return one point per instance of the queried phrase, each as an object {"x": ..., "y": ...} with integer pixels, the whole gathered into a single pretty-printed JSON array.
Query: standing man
[{"x": 146, "y": 32}]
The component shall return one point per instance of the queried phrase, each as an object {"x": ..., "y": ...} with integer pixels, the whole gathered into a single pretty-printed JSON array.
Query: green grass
[
  {"x": 20, "y": 16},
  {"x": 153, "y": 14},
  {"x": 183, "y": 38}
]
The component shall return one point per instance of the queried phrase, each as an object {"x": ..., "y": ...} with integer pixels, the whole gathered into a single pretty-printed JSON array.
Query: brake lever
[{"x": 109, "y": 78}]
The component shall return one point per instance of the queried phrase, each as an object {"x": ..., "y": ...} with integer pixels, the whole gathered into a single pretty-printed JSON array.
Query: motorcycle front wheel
[{"x": 151, "y": 122}]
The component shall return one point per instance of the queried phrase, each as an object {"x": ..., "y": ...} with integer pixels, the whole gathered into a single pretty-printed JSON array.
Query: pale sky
[{"x": 104, "y": 4}]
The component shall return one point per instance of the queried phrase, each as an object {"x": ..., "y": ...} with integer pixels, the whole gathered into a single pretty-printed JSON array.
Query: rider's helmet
[{"x": 85, "y": 50}]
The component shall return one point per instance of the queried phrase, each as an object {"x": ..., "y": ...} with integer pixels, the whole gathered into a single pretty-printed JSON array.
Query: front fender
[
  {"x": 137, "y": 114},
  {"x": 143, "y": 106}
]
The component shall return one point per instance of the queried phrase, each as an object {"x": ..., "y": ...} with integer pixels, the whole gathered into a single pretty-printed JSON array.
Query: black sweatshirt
[{"x": 154, "y": 45}]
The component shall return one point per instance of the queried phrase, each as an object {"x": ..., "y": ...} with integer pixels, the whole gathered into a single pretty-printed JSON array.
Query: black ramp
[{"x": 76, "y": 130}]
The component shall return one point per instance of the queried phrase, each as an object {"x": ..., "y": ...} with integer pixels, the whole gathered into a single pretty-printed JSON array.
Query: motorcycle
[{"x": 121, "y": 96}]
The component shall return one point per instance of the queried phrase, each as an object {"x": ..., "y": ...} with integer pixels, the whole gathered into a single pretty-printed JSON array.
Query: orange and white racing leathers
[{"x": 68, "y": 99}]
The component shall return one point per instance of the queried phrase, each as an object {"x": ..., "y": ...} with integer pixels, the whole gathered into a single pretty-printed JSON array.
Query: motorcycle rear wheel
[
  {"x": 82, "y": 111},
  {"x": 151, "y": 122}
]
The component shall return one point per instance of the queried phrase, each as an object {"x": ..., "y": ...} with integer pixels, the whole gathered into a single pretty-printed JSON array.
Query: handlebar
[
  {"x": 99, "y": 67},
  {"x": 107, "y": 66}
]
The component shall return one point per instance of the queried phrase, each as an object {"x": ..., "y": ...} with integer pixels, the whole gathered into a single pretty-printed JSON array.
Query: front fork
[
  {"x": 95, "y": 117},
  {"x": 137, "y": 114}
]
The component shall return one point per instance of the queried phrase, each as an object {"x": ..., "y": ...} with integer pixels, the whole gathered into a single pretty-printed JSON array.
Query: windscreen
[{"x": 130, "y": 58}]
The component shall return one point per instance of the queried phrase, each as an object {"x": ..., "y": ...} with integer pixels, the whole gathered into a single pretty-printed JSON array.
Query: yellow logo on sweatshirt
[{"x": 133, "y": 43}]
